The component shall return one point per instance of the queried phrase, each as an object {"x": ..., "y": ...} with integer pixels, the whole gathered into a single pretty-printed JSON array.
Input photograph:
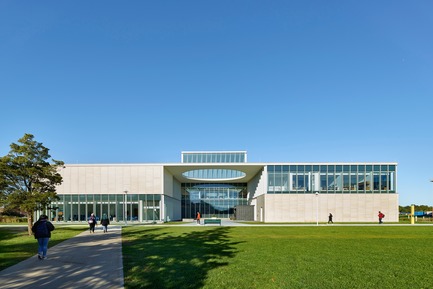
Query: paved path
[{"x": 85, "y": 261}]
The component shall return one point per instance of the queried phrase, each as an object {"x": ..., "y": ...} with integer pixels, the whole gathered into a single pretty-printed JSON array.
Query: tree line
[{"x": 418, "y": 208}]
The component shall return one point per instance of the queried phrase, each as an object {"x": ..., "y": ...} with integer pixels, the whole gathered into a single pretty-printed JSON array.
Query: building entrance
[{"x": 212, "y": 200}]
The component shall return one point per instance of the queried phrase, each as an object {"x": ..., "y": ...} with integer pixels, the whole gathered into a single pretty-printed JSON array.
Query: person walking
[
  {"x": 381, "y": 216},
  {"x": 330, "y": 219},
  {"x": 198, "y": 218},
  {"x": 92, "y": 223},
  {"x": 42, "y": 230},
  {"x": 105, "y": 221}
]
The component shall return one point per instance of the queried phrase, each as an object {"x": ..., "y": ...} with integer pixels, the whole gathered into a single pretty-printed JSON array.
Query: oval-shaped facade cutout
[{"x": 214, "y": 174}]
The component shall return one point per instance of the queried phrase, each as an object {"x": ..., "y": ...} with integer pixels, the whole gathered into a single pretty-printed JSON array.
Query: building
[{"x": 225, "y": 185}]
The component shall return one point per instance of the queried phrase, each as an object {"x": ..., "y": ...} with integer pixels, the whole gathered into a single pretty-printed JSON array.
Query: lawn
[
  {"x": 17, "y": 245},
  {"x": 278, "y": 257}
]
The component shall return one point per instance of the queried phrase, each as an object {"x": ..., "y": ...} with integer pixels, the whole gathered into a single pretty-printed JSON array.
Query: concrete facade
[
  {"x": 310, "y": 208},
  {"x": 282, "y": 192}
]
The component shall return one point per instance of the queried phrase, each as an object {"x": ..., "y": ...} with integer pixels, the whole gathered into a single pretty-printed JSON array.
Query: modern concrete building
[{"x": 225, "y": 185}]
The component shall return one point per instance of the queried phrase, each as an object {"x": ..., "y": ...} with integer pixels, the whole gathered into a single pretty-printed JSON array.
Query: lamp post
[
  {"x": 125, "y": 207},
  {"x": 317, "y": 208}
]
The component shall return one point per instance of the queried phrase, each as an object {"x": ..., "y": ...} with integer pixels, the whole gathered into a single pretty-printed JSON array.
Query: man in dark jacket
[
  {"x": 42, "y": 230},
  {"x": 105, "y": 222}
]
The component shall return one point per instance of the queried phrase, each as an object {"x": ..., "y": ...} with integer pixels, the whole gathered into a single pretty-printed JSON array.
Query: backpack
[{"x": 42, "y": 230}]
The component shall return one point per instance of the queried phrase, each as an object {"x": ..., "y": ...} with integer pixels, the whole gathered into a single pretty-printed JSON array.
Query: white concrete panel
[
  {"x": 104, "y": 179},
  {"x": 134, "y": 180},
  {"x": 111, "y": 179},
  {"x": 260, "y": 201},
  {"x": 344, "y": 207},
  {"x": 88, "y": 178},
  {"x": 257, "y": 186},
  {"x": 124, "y": 180},
  {"x": 96, "y": 176}
]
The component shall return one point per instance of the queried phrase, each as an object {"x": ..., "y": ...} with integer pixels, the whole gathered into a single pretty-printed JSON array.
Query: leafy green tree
[
  {"x": 405, "y": 209},
  {"x": 417, "y": 208},
  {"x": 27, "y": 180}
]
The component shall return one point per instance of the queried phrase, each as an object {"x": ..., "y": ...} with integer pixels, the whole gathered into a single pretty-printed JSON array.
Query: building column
[
  {"x": 162, "y": 209},
  {"x": 140, "y": 211}
]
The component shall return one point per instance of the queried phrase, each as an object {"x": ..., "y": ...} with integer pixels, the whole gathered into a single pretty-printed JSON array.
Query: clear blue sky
[{"x": 287, "y": 81}]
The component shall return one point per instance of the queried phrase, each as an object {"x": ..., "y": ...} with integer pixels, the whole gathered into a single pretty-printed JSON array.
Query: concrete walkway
[{"x": 84, "y": 261}]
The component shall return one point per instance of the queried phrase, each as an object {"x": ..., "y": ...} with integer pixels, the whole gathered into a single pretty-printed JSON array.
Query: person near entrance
[
  {"x": 92, "y": 223},
  {"x": 105, "y": 222},
  {"x": 198, "y": 218}
]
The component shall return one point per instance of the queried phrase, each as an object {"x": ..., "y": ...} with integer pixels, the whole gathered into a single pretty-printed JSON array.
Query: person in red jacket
[
  {"x": 381, "y": 216},
  {"x": 198, "y": 218}
]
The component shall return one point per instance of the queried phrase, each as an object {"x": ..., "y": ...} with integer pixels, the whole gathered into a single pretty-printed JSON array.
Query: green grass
[
  {"x": 259, "y": 257},
  {"x": 278, "y": 257},
  {"x": 17, "y": 245},
  {"x": 419, "y": 220}
]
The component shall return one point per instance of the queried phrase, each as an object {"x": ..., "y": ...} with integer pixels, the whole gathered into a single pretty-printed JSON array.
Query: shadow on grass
[{"x": 155, "y": 258}]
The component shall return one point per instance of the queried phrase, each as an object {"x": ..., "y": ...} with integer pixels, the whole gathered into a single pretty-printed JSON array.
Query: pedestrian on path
[
  {"x": 92, "y": 223},
  {"x": 198, "y": 218},
  {"x": 330, "y": 219},
  {"x": 42, "y": 230},
  {"x": 105, "y": 222},
  {"x": 381, "y": 216}
]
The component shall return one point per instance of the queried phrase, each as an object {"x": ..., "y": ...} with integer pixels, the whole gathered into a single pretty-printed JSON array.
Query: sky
[{"x": 286, "y": 81}]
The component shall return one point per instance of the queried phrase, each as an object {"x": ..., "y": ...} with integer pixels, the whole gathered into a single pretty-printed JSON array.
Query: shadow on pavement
[{"x": 85, "y": 261}]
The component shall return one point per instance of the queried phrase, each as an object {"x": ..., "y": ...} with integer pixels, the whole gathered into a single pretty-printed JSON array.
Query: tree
[
  {"x": 27, "y": 180},
  {"x": 418, "y": 208}
]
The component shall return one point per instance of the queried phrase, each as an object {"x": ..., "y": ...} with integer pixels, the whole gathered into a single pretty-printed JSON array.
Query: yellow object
[{"x": 412, "y": 214}]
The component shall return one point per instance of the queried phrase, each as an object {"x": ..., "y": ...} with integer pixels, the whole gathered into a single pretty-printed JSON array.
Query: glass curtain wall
[
  {"x": 151, "y": 211},
  {"x": 79, "y": 207},
  {"x": 212, "y": 200},
  {"x": 214, "y": 157},
  {"x": 331, "y": 178}
]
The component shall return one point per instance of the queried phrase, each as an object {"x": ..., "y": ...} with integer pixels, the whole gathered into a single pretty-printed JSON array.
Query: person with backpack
[
  {"x": 42, "y": 230},
  {"x": 381, "y": 216},
  {"x": 92, "y": 223},
  {"x": 105, "y": 222}
]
